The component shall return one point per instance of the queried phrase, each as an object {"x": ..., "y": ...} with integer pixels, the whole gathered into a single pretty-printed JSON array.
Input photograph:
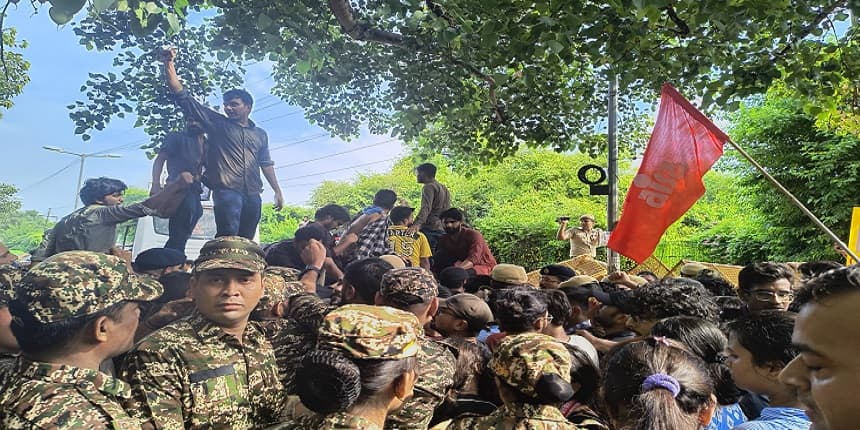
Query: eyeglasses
[{"x": 767, "y": 295}]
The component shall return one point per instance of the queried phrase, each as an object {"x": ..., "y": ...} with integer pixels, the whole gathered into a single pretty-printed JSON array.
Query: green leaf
[
  {"x": 173, "y": 22},
  {"x": 554, "y": 46},
  {"x": 303, "y": 66},
  {"x": 264, "y": 22},
  {"x": 86, "y": 137},
  {"x": 103, "y": 5},
  {"x": 60, "y": 16},
  {"x": 152, "y": 7}
]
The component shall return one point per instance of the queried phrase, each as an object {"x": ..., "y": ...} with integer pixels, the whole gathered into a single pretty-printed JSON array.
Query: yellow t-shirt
[{"x": 414, "y": 246}]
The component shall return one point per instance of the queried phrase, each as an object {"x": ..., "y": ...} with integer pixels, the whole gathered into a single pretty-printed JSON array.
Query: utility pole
[
  {"x": 612, "y": 259},
  {"x": 83, "y": 157}
]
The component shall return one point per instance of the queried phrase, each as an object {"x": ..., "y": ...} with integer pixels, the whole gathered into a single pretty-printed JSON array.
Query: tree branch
[
  {"x": 804, "y": 31},
  {"x": 683, "y": 28},
  {"x": 2, "y": 40},
  {"x": 360, "y": 31}
]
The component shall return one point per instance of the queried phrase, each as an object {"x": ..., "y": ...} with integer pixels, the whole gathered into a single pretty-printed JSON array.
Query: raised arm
[
  {"x": 562, "y": 233},
  {"x": 167, "y": 56},
  {"x": 193, "y": 109}
]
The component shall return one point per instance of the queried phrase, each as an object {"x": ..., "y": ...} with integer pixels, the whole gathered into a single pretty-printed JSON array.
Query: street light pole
[{"x": 83, "y": 157}]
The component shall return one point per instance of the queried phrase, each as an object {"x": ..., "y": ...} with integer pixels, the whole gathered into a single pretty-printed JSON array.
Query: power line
[
  {"x": 280, "y": 116},
  {"x": 338, "y": 170},
  {"x": 52, "y": 175},
  {"x": 336, "y": 154},
  {"x": 283, "y": 145},
  {"x": 117, "y": 148},
  {"x": 268, "y": 106}
]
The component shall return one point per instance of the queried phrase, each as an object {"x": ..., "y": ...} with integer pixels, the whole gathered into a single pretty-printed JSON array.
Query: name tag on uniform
[{"x": 211, "y": 373}]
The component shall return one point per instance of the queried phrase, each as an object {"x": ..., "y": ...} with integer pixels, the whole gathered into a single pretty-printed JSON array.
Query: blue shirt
[
  {"x": 727, "y": 417},
  {"x": 778, "y": 419}
]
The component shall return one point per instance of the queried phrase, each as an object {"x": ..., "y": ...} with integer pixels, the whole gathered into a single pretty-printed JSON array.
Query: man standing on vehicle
[
  {"x": 183, "y": 152},
  {"x": 236, "y": 152}
]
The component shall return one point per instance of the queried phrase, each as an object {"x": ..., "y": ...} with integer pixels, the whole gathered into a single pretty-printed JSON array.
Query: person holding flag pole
[{"x": 683, "y": 146}]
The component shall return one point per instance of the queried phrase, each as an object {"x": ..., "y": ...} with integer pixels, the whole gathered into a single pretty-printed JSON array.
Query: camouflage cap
[
  {"x": 279, "y": 284},
  {"x": 230, "y": 252},
  {"x": 408, "y": 286},
  {"x": 520, "y": 360},
  {"x": 79, "y": 283},
  {"x": 370, "y": 332},
  {"x": 10, "y": 275}
]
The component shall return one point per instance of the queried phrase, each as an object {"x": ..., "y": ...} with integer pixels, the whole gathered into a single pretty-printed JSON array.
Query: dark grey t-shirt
[
  {"x": 234, "y": 153},
  {"x": 183, "y": 154}
]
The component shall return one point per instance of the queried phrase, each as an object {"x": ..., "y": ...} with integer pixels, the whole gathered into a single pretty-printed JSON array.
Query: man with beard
[
  {"x": 765, "y": 286},
  {"x": 183, "y": 152},
  {"x": 463, "y": 247}
]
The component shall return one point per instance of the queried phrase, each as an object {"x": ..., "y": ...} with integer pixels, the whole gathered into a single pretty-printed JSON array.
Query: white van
[{"x": 152, "y": 232}]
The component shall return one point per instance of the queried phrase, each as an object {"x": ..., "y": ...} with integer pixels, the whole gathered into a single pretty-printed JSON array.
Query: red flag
[{"x": 683, "y": 146}]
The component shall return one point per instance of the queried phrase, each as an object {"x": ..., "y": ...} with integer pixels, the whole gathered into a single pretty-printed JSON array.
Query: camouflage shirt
[
  {"x": 193, "y": 375},
  {"x": 55, "y": 396},
  {"x": 519, "y": 416},
  {"x": 335, "y": 421},
  {"x": 435, "y": 369}
]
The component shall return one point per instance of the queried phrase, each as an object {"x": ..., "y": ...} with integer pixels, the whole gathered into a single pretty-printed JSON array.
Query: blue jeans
[
  {"x": 183, "y": 221},
  {"x": 236, "y": 214}
]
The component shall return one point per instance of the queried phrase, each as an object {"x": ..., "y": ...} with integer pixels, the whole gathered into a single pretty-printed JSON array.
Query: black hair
[
  {"x": 237, "y": 93},
  {"x": 399, "y": 213},
  {"x": 336, "y": 212},
  {"x": 452, "y": 213},
  {"x": 311, "y": 231},
  {"x": 731, "y": 308},
  {"x": 557, "y": 305},
  {"x": 385, "y": 199},
  {"x": 327, "y": 381},
  {"x": 811, "y": 269},
  {"x": 36, "y": 337},
  {"x": 427, "y": 169},
  {"x": 831, "y": 283},
  {"x": 583, "y": 371},
  {"x": 673, "y": 297},
  {"x": 453, "y": 277},
  {"x": 644, "y": 273},
  {"x": 707, "y": 341},
  {"x": 755, "y": 274},
  {"x": 175, "y": 286},
  {"x": 715, "y": 284},
  {"x": 443, "y": 292},
  {"x": 767, "y": 336},
  {"x": 577, "y": 296},
  {"x": 517, "y": 308},
  {"x": 95, "y": 189},
  {"x": 365, "y": 277},
  {"x": 625, "y": 371}
]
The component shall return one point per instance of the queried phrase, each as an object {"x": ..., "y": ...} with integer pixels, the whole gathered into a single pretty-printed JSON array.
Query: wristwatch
[{"x": 310, "y": 268}]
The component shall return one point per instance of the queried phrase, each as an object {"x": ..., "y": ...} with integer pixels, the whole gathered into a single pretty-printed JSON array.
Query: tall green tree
[{"x": 13, "y": 68}]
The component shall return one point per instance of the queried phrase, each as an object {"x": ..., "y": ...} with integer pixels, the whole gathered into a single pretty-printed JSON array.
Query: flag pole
[{"x": 794, "y": 200}]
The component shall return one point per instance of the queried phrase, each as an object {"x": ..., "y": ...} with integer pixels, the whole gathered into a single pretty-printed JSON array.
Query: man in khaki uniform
[
  {"x": 71, "y": 312},
  {"x": 584, "y": 239}
]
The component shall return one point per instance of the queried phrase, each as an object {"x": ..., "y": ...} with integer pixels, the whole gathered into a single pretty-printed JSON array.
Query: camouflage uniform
[
  {"x": 436, "y": 364},
  {"x": 10, "y": 275},
  {"x": 520, "y": 360},
  {"x": 40, "y": 395},
  {"x": 361, "y": 332},
  {"x": 192, "y": 374}
]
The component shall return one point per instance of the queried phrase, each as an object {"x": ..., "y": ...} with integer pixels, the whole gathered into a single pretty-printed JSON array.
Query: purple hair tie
[{"x": 661, "y": 380}]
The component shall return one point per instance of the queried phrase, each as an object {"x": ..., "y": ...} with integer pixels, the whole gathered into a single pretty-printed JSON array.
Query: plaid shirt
[{"x": 373, "y": 240}]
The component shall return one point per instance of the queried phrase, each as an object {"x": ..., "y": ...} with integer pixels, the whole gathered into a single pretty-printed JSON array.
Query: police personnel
[
  {"x": 71, "y": 312},
  {"x": 414, "y": 290},
  {"x": 213, "y": 369}
]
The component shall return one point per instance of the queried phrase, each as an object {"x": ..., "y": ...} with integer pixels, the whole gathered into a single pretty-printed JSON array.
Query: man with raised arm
[{"x": 237, "y": 151}]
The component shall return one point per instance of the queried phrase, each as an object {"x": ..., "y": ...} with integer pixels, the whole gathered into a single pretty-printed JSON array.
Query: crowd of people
[{"x": 394, "y": 318}]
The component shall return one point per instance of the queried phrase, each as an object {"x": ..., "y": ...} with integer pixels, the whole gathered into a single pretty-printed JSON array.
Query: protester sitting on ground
[
  {"x": 669, "y": 298},
  {"x": 655, "y": 384},
  {"x": 554, "y": 274},
  {"x": 71, "y": 312},
  {"x": 363, "y": 367},
  {"x": 413, "y": 247},
  {"x": 463, "y": 247},
  {"x": 583, "y": 281},
  {"x": 362, "y": 279},
  {"x": 766, "y": 285},
  {"x": 370, "y": 231},
  {"x": 330, "y": 217},
  {"x": 156, "y": 262},
  {"x": 759, "y": 348},
  {"x": 533, "y": 377},
  {"x": 648, "y": 276},
  {"x": 93, "y": 227},
  {"x": 454, "y": 278},
  {"x": 826, "y": 373},
  {"x": 462, "y": 316},
  {"x": 413, "y": 289},
  {"x": 705, "y": 340},
  {"x": 581, "y": 409},
  {"x": 469, "y": 396},
  {"x": 558, "y": 308},
  {"x": 288, "y": 253},
  {"x": 506, "y": 275}
]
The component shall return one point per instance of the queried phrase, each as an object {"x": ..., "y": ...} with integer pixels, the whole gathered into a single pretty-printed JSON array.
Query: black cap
[
  {"x": 621, "y": 299},
  {"x": 561, "y": 272},
  {"x": 158, "y": 258}
]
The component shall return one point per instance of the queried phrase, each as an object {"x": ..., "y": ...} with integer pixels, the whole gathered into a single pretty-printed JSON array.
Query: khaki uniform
[
  {"x": 54, "y": 396},
  {"x": 518, "y": 416},
  {"x": 193, "y": 375},
  {"x": 583, "y": 242}
]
